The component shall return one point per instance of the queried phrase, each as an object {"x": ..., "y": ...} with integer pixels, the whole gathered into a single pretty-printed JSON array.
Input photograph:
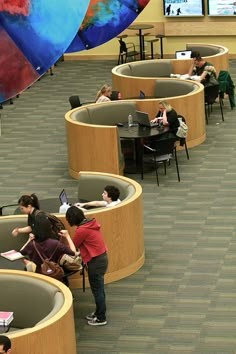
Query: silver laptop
[
  {"x": 143, "y": 120},
  {"x": 183, "y": 54},
  {"x": 63, "y": 197}
]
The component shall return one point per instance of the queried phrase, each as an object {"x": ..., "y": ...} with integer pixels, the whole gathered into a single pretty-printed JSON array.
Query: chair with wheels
[
  {"x": 182, "y": 141},
  {"x": 160, "y": 151},
  {"x": 211, "y": 94}
]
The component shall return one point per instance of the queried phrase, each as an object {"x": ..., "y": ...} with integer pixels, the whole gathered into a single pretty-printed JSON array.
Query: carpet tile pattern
[{"x": 183, "y": 300}]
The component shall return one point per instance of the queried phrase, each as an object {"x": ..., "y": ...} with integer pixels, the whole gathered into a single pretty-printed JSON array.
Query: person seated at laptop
[
  {"x": 103, "y": 94},
  {"x": 110, "y": 197},
  {"x": 203, "y": 69},
  {"x": 169, "y": 118}
]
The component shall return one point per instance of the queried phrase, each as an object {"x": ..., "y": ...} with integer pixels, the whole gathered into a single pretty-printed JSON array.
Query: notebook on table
[{"x": 143, "y": 120}]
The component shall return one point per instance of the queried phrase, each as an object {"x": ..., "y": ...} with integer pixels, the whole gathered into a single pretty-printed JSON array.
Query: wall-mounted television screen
[
  {"x": 182, "y": 8},
  {"x": 221, "y": 8}
]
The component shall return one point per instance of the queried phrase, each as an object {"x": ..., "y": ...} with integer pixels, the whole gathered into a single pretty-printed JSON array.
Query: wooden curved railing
[{"x": 55, "y": 335}]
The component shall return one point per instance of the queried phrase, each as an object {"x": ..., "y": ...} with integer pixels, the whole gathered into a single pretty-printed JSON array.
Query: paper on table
[{"x": 12, "y": 255}]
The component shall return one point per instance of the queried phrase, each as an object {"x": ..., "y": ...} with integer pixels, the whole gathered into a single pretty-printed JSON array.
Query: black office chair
[
  {"x": 115, "y": 95},
  {"x": 182, "y": 141},
  {"x": 160, "y": 151},
  {"x": 127, "y": 51},
  {"x": 211, "y": 94},
  {"x": 226, "y": 86},
  {"x": 7, "y": 206},
  {"x": 74, "y": 101}
]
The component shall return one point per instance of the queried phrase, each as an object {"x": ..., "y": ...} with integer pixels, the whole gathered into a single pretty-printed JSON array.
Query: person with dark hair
[
  {"x": 203, "y": 69},
  {"x": 93, "y": 251},
  {"x": 110, "y": 197},
  {"x": 46, "y": 245},
  {"x": 5, "y": 345},
  {"x": 29, "y": 204}
]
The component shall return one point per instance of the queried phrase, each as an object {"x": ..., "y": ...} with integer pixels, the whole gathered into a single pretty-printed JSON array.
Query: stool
[
  {"x": 161, "y": 36},
  {"x": 151, "y": 41},
  {"x": 143, "y": 40}
]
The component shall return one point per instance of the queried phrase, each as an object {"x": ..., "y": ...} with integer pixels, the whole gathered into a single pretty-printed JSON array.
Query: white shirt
[
  {"x": 103, "y": 99},
  {"x": 115, "y": 202}
]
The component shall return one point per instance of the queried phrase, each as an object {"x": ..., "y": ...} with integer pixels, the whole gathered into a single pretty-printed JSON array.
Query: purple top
[{"x": 46, "y": 249}]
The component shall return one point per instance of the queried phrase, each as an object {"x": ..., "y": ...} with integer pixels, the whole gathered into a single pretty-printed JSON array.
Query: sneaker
[
  {"x": 91, "y": 316},
  {"x": 96, "y": 322}
]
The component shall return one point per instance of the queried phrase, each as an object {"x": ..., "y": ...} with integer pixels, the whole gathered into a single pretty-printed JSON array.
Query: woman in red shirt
[{"x": 88, "y": 239}]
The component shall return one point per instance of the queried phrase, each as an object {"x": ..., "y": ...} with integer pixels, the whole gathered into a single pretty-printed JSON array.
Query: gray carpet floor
[{"x": 183, "y": 300}]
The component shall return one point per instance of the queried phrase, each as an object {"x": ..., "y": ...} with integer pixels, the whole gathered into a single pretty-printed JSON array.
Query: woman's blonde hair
[
  {"x": 166, "y": 105},
  {"x": 105, "y": 88}
]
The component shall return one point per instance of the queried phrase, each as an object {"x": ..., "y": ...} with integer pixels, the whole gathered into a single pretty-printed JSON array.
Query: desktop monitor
[{"x": 181, "y": 8}]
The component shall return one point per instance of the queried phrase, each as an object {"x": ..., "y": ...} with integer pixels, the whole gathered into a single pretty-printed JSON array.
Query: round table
[{"x": 139, "y": 28}]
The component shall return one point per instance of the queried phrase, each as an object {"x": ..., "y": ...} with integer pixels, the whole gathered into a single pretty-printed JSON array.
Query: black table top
[
  {"x": 138, "y": 132},
  {"x": 18, "y": 264}
]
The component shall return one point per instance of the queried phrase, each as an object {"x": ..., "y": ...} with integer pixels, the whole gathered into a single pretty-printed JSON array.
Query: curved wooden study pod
[
  {"x": 122, "y": 228},
  {"x": 54, "y": 335}
]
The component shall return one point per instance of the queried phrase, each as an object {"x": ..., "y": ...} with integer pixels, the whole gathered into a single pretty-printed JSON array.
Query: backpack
[
  {"x": 48, "y": 267},
  {"x": 56, "y": 224},
  {"x": 182, "y": 131}
]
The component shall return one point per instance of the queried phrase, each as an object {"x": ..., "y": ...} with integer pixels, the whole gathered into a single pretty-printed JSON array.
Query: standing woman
[
  {"x": 29, "y": 204},
  {"x": 88, "y": 239}
]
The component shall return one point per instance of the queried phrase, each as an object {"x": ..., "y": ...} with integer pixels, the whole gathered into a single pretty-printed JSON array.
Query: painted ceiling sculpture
[
  {"x": 35, "y": 33},
  {"x": 104, "y": 20}
]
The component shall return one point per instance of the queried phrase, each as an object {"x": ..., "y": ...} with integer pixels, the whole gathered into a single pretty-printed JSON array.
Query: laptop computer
[
  {"x": 63, "y": 197},
  {"x": 183, "y": 54},
  {"x": 141, "y": 94},
  {"x": 143, "y": 120}
]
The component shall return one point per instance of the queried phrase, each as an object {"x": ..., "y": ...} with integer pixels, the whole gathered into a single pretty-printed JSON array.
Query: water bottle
[
  {"x": 130, "y": 120},
  {"x": 63, "y": 208}
]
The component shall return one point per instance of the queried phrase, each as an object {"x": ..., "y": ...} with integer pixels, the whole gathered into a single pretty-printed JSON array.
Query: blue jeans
[{"x": 96, "y": 269}]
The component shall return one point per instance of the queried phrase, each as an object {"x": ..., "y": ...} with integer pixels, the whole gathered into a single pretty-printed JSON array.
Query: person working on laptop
[
  {"x": 203, "y": 69},
  {"x": 169, "y": 118},
  {"x": 110, "y": 197}
]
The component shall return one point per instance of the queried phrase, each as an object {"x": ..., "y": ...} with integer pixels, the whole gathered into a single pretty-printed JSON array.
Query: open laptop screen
[
  {"x": 63, "y": 197},
  {"x": 141, "y": 94},
  {"x": 183, "y": 54}
]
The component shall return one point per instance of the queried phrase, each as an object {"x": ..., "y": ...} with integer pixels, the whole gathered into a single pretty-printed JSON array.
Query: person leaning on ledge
[
  {"x": 5, "y": 345},
  {"x": 203, "y": 69},
  {"x": 110, "y": 198}
]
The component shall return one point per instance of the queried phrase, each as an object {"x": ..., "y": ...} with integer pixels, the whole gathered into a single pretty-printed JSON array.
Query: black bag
[
  {"x": 48, "y": 267},
  {"x": 56, "y": 224}
]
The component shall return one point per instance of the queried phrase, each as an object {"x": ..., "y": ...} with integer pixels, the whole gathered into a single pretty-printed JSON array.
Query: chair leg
[
  {"x": 206, "y": 114},
  {"x": 221, "y": 109},
  {"x": 156, "y": 167},
  {"x": 186, "y": 150},
  {"x": 176, "y": 163}
]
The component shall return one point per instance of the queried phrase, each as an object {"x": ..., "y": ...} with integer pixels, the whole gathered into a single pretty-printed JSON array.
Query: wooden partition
[
  {"x": 122, "y": 228},
  {"x": 191, "y": 106},
  {"x": 55, "y": 335},
  {"x": 91, "y": 147}
]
